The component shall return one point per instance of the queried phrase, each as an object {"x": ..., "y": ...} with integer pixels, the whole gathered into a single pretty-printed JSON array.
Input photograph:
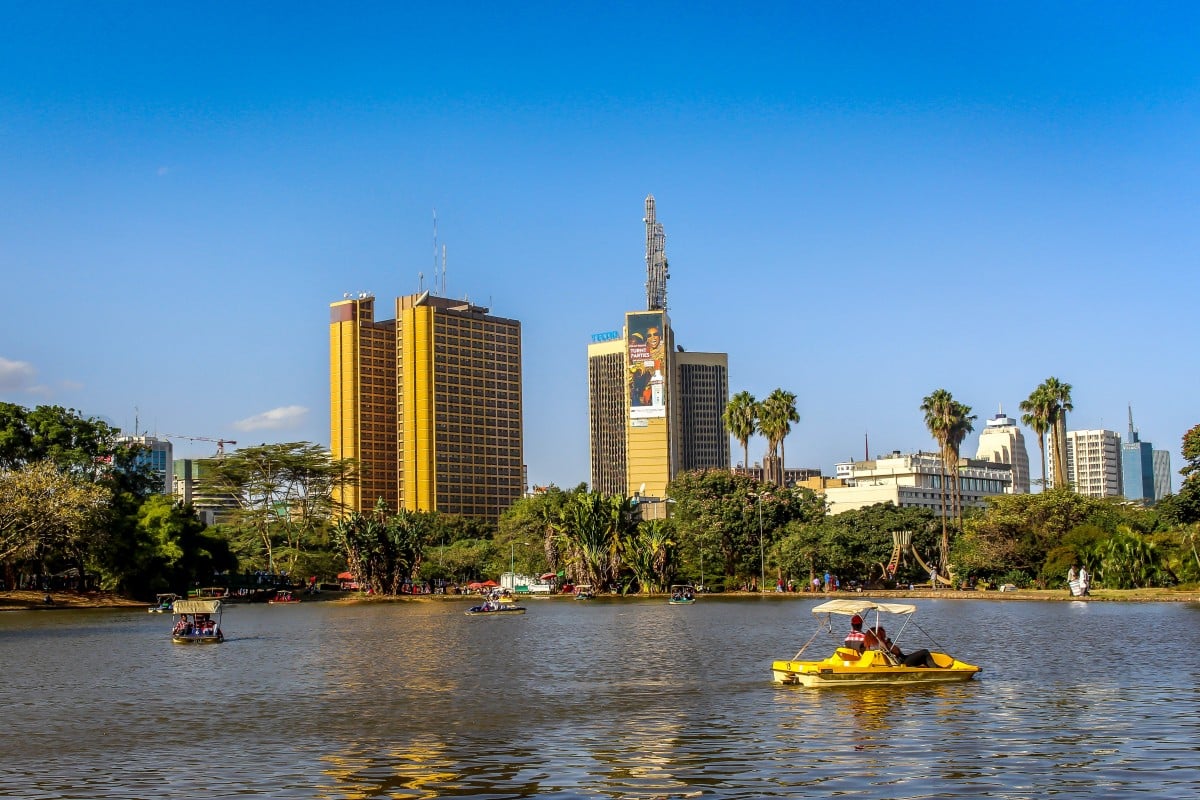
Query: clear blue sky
[{"x": 863, "y": 202}]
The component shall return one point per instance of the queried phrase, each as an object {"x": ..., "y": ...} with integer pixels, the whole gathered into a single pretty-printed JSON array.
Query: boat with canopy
[
  {"x": 197, "y": 622},
  {"x": 880, "y": 662}
]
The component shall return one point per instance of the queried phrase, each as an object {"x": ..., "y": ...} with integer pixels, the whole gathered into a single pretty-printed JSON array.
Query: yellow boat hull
[{"x": 843, "y": 668}]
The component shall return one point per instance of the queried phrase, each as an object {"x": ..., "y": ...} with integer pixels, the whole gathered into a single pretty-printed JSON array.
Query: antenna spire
[{"x": 656, "y": 260}]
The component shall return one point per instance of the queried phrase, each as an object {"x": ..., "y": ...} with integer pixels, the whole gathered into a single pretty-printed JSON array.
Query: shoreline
[{"x": 23, "y": 600}]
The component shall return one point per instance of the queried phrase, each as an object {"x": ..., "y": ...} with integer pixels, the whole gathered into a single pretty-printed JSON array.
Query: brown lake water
[{"x": 599, "y": 699}]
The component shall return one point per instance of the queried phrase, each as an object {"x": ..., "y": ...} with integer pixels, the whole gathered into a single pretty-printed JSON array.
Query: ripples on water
[{"x": 605, "y": 699}]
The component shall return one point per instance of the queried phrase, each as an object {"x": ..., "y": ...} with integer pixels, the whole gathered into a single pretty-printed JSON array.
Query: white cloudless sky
[{"x": 863, "y": 202}]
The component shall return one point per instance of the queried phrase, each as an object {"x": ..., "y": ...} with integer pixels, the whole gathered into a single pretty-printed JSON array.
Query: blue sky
[{"x": 863, "y": 202}]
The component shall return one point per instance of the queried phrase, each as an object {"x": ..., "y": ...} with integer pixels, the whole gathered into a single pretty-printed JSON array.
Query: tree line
[{"x": 73, "y": 498}]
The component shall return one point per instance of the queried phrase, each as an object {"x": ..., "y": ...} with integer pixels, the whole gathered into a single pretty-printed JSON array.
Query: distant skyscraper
[
  {"x": 1093, "y": 463},
  {"x": 654, "y": 410},
  {"x": 1162, "y": 474},
  {"x": 1002, "y": 442},
  {"x": 1137, "y": 466},
  {"x": 156, "y": 454},
  {"x": 429, "y": 404}
]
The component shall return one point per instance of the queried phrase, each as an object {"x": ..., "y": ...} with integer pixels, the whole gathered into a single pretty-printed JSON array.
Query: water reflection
[{"x": 604, "y": 699}]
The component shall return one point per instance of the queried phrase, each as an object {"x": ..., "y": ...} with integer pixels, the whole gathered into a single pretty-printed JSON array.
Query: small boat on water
[
  {"x": 881, "y": 663},
  {"x": 162, "y": 603},
  {"x": 197, "y": 622},
  {"x": 583, "y": 591},
  {"x": 282, "y": 597},
  {"x": 682, "y": 595},
  {"x": 499, "y": 601}
]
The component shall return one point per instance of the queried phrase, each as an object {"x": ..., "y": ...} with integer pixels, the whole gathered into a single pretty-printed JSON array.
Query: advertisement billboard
[{"x": 646, "y": 355}]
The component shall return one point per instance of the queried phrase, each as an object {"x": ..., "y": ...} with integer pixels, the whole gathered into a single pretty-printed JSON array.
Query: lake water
[{"x": 600, "y": 699}]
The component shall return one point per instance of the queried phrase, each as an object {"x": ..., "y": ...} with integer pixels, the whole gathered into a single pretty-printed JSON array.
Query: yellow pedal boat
[{"x": 873, "y": 667}]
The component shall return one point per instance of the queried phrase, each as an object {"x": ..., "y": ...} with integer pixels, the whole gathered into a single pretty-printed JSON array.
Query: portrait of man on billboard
[{"x": 647, "y": 364}]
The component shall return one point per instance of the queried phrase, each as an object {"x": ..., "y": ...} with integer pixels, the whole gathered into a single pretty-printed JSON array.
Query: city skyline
[{"x": 859, "y": 208}]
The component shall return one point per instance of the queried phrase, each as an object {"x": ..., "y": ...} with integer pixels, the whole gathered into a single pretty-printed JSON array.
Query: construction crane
[{"x": 220, "y": 442}]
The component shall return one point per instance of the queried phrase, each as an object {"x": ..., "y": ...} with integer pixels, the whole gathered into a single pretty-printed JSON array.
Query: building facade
[
  {"x": 156, "y": 454},
  {"x": 188, "y": 479},
  {"x": 607, "y": 415},
  {"x": 1093, "y": 463},
  {"x": 1162, "y": 474},
  {"x": 915, "y": 480},
  {"x": 653, "y": 411},
  {"x": 429, "y": 404},
  {"x": 1002, "y": 442}
]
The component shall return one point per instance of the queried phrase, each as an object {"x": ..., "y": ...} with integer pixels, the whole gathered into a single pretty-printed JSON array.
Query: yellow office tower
[
  {"x": 429, "y": 403},
  {"x": 654, "y": 410}
]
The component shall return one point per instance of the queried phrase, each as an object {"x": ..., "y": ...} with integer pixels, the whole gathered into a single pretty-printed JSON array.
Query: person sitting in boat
[
  {"x": 917, "y": 658},
  {"x": 856, "y": 640}
]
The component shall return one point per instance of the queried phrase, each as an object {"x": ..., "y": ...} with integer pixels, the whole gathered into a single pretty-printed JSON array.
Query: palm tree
[
  {"x": 740, "y": 418},
  {"x": 1059, "y": 396},
  {"x": 593, "y": 530},
  {"x": 1037, "y": 418},
  {"x": 937, "y": 407},
  {"x": 775, "y": 417},
  {"x": 960, "y": 423}
]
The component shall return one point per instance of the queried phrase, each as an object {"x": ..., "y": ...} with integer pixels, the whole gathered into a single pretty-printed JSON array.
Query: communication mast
[{"x": 656, "y": 260}]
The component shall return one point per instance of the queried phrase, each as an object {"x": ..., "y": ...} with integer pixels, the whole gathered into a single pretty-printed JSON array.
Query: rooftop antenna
[
  {"x": 656, "y": 260},
  {"x": 444, "y": 271},
  {"x": 435, "y": 252}
]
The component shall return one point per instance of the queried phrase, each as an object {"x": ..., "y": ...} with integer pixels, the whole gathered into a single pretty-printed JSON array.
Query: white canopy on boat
[
  {"x": 196, "y": 606},
  {"x": 851, "y": 607}
]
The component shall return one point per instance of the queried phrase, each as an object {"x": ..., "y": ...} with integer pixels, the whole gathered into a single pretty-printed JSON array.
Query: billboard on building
[{"x": 646, "y": 355}]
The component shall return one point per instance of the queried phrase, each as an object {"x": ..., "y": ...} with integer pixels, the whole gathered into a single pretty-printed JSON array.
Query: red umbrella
[
  {"x": 474, "y": 585},
  {"x": 345, "y": 576},
  {"x": 490, "y": 583},
  {"x": 546, "y": 576}
]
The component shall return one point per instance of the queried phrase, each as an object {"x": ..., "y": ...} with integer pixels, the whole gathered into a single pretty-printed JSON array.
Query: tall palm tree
[
  {"x": 775, "y": 417},
  {"x": 960, "y": 423},
  {"x": 741, "y": 420},
  {"x": 1059, "y": 395},
  {"x": 937, "y": 407},
  {"x": 1037, "y": 418}
]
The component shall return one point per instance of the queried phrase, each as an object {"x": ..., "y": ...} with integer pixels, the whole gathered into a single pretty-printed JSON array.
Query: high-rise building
[
  {"x": 428, "y": 404},
  {"x": 1162, "y": 474},
  {"x": 188, "y": 480},
  {"x": 1137, "y": 466},
  {"x": 654, "y": 409},
  {"x": 1001, "y": 442},
  {"x": 156, "y": 454},
  {"x": 1093, "y": 463}
]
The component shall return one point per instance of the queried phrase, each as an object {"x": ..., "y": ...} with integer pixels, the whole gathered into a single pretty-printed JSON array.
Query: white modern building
[
  {"x": 1093, "y": 463},
  {"x": 1001, "y": 442},
  {"x": 915, "y": 479}
]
